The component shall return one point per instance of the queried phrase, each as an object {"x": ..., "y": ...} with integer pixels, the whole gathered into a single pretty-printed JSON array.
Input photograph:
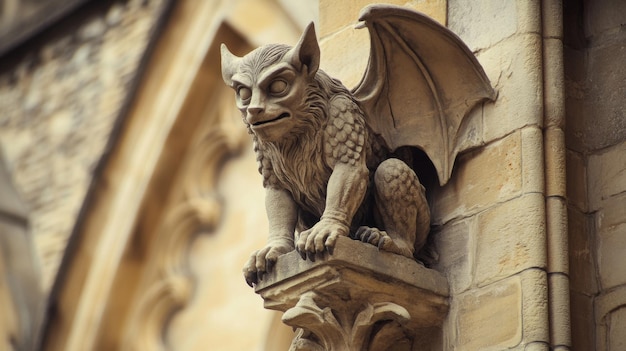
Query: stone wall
[
  {"x": 596, "y": 142},
  {"x": 60, "y": 97}
]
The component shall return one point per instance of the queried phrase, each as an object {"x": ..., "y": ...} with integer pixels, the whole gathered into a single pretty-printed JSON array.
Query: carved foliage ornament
[{"x": 333, "y": 160}]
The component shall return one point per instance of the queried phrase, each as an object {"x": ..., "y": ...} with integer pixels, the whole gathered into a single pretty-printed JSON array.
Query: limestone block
[
  {"x": 335, "y": 15},
  {"x": 606, "y": 305},
  {"x": 582, "y": 323},
  {"x": 480, "y": 311},
  {"x": 605, "y": 124},
  {"x": 508, "y": 314},
  {"x": 510, "y": 238},
  {"x": 514, "y": 69},
  {"x": 611, "y": 214},
  {"x": 617, "y": 325},
  {"x": 485, "y": 15},
  {"x": 475, "y": 21},
  {"x": 576, "y": 179},
  {"x": 575, "y": 92},
  {"x": 582, "y": 261},
  {"x": 480, "y": 179},
  {"x": 606, "y": 173},
  {"x": 602, "y": 15},
  {"x": 340, "y": 296},
  {"x": 611, "y": 248},
  {"x": 345, "y": 54},
  {"x": 455, "y": 246}
]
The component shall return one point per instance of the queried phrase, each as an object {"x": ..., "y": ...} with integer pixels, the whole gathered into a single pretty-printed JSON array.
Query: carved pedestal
[{"x": 357, "y": 299}]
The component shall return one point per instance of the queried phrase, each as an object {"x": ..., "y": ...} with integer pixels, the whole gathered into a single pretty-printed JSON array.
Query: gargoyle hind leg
[{"x": 403, "y": 209}]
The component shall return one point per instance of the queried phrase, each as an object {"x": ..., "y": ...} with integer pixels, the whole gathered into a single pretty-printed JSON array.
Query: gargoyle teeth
[{"x": 281, "y": 116}]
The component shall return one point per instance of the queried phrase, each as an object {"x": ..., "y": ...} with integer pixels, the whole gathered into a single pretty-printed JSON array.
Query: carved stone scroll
[{"x": 357, "y": 298}]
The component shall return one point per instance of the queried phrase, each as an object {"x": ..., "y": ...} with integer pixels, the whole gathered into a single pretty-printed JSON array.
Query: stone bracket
[{"x": 357, "y": 298}]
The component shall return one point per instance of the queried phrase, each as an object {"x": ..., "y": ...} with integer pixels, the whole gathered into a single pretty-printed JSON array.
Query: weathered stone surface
[
  {"x": 582, "y": 261},
  {"x": 345, "y": 55},
  {"x": 594, "y": 92},
  {"x": 602, "y": 15},
  {"x": 499, "y": 304},
  {"x": 605, "y": 124},
  {"x": 617, "y": 325},
  {"x": 575, "y": 92},
  {"x": 611, "y": 214},
  {"x": 607, "y": 174},
  {"x": 576, "y": 174},
  {"x": 57, "y": 109},
  {"x": 611, "y": 248},
  {"x": 473, "y": 186},
  {"x": 338, "y": 14},
  {"x": 511, "y": 313},
  {"x": 514, "y": 69},
  {"x": 455, "y": 246},
  {"x": 510, "y": 238},
  {"x": 611, "y": 301},
  {"x": 582, "y": 322},
  {"x": 485, "y": 16}
]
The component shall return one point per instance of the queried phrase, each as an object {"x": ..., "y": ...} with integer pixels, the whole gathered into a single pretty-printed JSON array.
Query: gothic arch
[{"x": 130, "y": 273}]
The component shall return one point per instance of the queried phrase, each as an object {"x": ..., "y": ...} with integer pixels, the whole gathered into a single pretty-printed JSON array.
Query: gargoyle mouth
[{"x": 278, "y": 118}]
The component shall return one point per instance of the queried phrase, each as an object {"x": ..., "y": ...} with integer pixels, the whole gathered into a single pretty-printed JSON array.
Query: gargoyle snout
[{"x": 255, "y": 110}]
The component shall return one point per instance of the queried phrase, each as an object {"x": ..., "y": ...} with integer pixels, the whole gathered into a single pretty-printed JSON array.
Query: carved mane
[{"x": 297, "y": 162}]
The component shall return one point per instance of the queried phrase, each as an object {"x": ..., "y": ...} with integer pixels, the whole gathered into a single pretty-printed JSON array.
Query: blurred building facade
[{"x": 131, "y": 197}]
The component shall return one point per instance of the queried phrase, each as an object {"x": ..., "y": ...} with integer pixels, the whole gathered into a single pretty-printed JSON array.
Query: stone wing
[{"x": 420, "y": 83}]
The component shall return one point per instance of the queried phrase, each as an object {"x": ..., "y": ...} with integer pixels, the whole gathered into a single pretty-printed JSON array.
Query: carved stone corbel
[{"x": 357, "y": 298}]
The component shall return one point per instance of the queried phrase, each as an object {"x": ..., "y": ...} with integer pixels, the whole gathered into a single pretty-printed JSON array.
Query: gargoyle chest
[
  {"x": 301, "y": 170},
  {"x": 305, "y": 174}
]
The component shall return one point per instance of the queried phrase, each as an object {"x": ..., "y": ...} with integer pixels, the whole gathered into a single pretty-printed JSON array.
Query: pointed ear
[
  {"x": 230, "y": 63},
  {"x": 306, "y": 52}
]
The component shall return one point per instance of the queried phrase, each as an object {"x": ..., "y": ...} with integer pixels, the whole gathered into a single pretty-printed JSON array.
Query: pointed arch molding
[
  {"x": 167, "y": 282},
  {"x": 129, "y": 274}
]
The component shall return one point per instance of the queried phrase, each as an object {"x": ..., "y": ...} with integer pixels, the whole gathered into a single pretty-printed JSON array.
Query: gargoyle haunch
[{"x": 328, "y": 155}]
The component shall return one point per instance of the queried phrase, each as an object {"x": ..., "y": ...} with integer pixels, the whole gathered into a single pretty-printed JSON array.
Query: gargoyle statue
[{"x": 329, "y": 156}]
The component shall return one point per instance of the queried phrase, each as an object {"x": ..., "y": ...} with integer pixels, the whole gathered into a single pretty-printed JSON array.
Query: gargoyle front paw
[
  {"x": 262, "y": 261},
  {"x": 321, "y": 237}
]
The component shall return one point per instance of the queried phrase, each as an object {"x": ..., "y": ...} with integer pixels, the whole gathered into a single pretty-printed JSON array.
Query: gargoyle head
[{"x": 271, "y": 85}]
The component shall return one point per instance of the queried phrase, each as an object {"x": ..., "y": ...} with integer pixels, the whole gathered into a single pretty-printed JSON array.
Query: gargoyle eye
[
  {"x": 244, "y": 93},
  {"x": 278, "y": 87}
]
